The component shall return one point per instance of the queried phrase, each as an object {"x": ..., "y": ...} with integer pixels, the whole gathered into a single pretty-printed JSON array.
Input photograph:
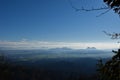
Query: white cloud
[{"x": 25, "y": 44}]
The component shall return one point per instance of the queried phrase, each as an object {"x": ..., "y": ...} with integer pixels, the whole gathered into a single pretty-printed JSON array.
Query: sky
[{"x": 54, "y": 23}]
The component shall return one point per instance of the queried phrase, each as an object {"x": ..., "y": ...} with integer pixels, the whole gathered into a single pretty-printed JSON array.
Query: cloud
[{"x": 26, "y": 44}]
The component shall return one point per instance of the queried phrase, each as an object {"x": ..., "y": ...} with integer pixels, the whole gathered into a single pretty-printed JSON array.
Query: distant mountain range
[
  {"x": 59, "y": 50},
  {"x": 91, "y": 48},
  {"x": 53, "y": 49}
]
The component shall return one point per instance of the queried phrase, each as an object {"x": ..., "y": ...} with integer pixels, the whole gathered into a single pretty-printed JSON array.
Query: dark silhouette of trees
[
  {"x": 111, "y": 69},
  {"x": 113, "y": 4}
]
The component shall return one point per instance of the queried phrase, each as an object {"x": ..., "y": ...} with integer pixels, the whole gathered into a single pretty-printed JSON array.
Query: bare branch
[
  {"x": 103, "y": 13},
  {"x": 84, "y": 9},
  {"x": 107, "y": 8},
  {"x": 93, "y": 9},
  {"x": 113, "y": 35}
]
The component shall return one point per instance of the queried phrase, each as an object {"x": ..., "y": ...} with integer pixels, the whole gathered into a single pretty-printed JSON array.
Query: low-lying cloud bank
[{"x": 25, "y": 44}]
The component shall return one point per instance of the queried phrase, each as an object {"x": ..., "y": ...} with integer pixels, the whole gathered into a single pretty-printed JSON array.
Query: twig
[
  {"x": 103, "y": 13},
  {"x": 84, "y": 9},
  {"x": 92, "y": 9}
]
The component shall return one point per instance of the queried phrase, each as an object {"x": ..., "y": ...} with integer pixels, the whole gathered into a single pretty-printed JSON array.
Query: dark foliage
[
  {"x": 111, "y": 69},
  {"x": 114, "y": 4}
]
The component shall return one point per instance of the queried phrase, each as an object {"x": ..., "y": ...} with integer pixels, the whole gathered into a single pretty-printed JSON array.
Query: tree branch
[
  {"x": 92, "y": 9},
  {"x": 84, "y": 9},
  {"x": 103, "y": 13}
]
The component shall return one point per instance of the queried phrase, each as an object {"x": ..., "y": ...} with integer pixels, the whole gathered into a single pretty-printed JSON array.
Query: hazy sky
[{"x": 55, "y": 21}]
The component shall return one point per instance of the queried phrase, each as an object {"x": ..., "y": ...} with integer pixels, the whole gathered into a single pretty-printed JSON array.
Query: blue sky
[{"x": 55, "y": 21}]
